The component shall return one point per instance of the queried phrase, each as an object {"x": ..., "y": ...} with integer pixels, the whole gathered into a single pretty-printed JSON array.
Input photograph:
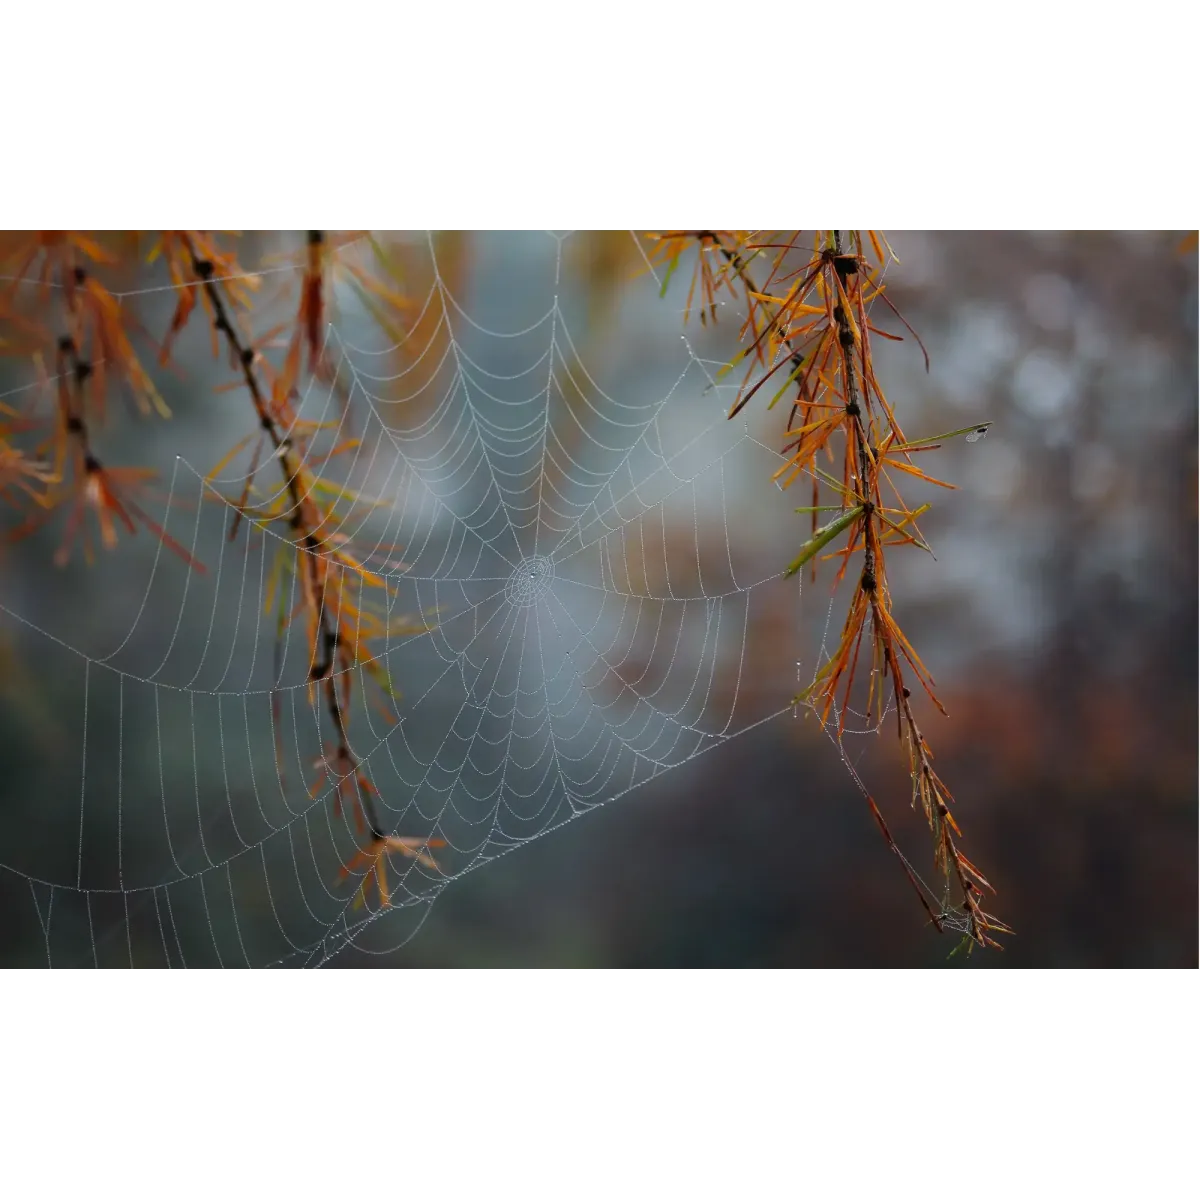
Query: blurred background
[{"x": 1059, "y": 620}]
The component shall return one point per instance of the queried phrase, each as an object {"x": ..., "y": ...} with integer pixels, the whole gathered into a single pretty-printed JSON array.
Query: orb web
[{"x": 573, "y": 614}]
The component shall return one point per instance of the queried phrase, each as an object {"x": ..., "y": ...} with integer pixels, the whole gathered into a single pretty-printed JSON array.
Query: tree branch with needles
[{"x": 813, "y": 321}]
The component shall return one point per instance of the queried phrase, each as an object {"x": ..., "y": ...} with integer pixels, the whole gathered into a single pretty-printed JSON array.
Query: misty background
[{"x": 143, "y": 819}]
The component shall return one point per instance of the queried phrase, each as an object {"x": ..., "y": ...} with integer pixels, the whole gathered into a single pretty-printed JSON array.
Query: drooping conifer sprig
[
  {"x": 807, "y": 328},
  {"x": 330, "y": 574},
  {"x": 67, "y": 309},
  {"x": 75, "y": 312}
]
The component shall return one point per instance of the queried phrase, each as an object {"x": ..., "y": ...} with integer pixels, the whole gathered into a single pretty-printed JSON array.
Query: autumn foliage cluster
[
  {"x": 807, "y": 341},
  {"x": 60, "y": 311}
]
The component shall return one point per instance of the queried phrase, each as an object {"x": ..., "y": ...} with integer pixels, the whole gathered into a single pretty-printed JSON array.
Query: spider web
[{"x": 567, "y": 552}]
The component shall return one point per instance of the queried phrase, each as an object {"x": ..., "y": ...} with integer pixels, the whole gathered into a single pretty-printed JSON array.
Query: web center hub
[{"x": 530, "y": 581}]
